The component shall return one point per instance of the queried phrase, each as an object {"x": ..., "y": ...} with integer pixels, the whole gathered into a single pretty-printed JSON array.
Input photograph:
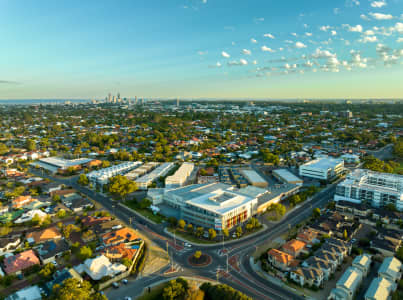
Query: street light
[{"x": 227, "y": 262}]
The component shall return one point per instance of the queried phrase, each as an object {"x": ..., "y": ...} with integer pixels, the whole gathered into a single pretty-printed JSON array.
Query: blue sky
[{"x": 199, "y": 48}]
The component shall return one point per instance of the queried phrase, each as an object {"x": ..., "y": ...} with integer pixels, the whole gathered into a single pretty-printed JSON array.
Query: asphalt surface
[{"x": 240, "y": 274}]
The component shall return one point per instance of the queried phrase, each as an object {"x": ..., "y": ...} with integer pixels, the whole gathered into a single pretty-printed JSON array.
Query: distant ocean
[{"x": 42, "y": 101}]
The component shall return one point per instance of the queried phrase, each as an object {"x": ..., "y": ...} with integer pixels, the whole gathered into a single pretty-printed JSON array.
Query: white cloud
[
  {"x": 204, "y": 1},
  {"x": 257, "y": 20},
  {"x": 336, "y": 11},
  {"x": 308, "y": 33},
  {"x": 218, "y": 64},
  {"x": 254, "y": 62},
  {"x": 225, "y": 54},
  {"x": 352, "y": 2},
  {"x": 369, "y": 32},
  {"x": 369, "y": 39},
  {"x": 334, "y": 32},
  {"x": 246, "y": 52},
  {"x": 267, "y": 49},
  {"x": 379, "y": 16},
  {"x": 300, "y": 45},
  {"x": 243, "y": 61},
  {"x": 324, "y": 28},
  {"x": 378, "y": 4},
  {"x": 253, "y": 41},
  {"x": 357, "y": 28},
  {"x": 400, "y": 40},
  {"x": 399, "y": 27},
  {"x": 269, "y": 35},
  {"x": 294, "y": 34},
  {"x": 202, "y": 52},
  {"x": 319, "y": 53},
  {"x": 364, "y": 17}
]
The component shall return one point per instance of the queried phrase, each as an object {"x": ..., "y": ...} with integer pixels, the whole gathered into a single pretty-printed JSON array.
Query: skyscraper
[{"x": 177, "y": 102}]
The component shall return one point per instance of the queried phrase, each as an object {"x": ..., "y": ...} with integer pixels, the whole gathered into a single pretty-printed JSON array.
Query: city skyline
[{"x": 202, "y": 49}]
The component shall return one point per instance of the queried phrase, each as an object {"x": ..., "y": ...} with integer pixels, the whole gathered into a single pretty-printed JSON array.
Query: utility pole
[
  {"x": 218, "y": 274},
  {"x": 175, "y": 238},
  {"x": 227, "y": 262}
]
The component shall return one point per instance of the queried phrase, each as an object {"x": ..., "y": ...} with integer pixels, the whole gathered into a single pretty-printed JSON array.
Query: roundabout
[{"x": 199, "y": 260}]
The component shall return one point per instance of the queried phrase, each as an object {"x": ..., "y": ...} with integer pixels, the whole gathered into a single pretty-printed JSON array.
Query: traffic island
[{"x": 199, "y": 259}]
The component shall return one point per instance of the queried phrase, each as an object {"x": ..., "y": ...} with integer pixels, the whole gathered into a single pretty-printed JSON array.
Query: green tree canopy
[{"x": 121, "y": 186}]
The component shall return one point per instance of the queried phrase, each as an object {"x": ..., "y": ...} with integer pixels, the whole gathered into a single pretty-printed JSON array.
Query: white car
[
  {"x": 188, "y": 245},
  {"x": 128, "y": 298}
]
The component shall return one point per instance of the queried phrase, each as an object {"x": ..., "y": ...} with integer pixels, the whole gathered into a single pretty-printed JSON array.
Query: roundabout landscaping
[{"x": 199, "y": 261}]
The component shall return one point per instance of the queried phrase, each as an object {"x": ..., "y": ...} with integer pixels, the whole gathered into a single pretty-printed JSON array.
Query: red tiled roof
[{"x": 20, "y": 262}]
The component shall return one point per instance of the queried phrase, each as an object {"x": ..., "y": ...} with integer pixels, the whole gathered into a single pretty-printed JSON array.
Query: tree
[
  {"x": 172, "y": 221},
  {"x": 316, "y": 212},
  {"x": 239, "y": 231},
  {"x": 36, "y": 220},
  {"x": 30, "y": 145},
  {"x": 121, "y": 186},
  {"x": 225, "y": 232},
  {"x": 345, "y": 235},
  {"x": 294, "y": 200},
  {"x": 83, "y": 180},
  {"x": 145, "y": 203},
  {"x": 61, "y": 213},
  {"x": 189, "y": 228},
  {"x": 176, "y": 289},
  {"x": 56, "y": 198},
  {"x": 84, "y": 253},
  {"x": 47, "y": 271},
  {"x": 3, "y": 149},
  {"x": 199, "y": 231},
  {"x": 181, "y": 224},
  {"x": 197, "y": 254},
  {"x": 212, "y": 234},
  {"x": 126, "y": 262},
  {"x": 67, "y": 230},
  {"x": 72, "y": 289}
]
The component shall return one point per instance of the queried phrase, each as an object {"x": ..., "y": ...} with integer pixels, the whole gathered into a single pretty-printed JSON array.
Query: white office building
[
  {"x": 181, "y": 175},
  {"x": 324, "y": 168},
  {"x": 145, "y": 181},
  {"x": 101, "y": 177},
  {"x": 212, "y": 205},
  {"x": 377, "y": 189}
]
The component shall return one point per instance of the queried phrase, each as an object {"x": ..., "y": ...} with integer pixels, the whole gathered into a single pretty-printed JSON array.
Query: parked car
[
  {"x": 188, "y": 245},
  {"x": 128, "y": 298},
  {"x": 124, "y": 281},
  {"x": 115, "y": 285}
]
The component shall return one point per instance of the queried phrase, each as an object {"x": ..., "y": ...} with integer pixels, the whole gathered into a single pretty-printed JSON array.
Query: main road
[{"x": 240, "y": 274}]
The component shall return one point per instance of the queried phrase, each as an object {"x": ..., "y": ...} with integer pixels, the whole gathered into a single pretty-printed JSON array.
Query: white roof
[
  {"x": 287, "y": 175},
  {"x": 350, "y": 279},
  {"x": 253, "y": 176},
  {"x": 65, "y": 163},
  {"x": 100, "y": 267},
  {"x": 29, "y": 215},
  {"x": 28, "y": 293},
  {"x": 159, "y": 171},
  {"x": 362, "y": 260},
  {"x": 379, "y": 289},
  {"x": 391, "y": 266},
  {"x": 323, "y": 163}
]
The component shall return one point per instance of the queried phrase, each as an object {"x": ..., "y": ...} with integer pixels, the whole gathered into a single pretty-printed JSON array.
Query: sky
[{"x": 253, "y": 49}]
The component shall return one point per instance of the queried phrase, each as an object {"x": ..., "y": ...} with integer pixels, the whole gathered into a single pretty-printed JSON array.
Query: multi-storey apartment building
[{"x": 377, "y": 189}]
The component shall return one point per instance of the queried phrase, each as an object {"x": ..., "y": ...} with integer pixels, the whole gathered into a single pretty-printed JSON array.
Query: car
[
  {"x": 128, "y": 298},
  {"x": 115, "y": 285},
  {"x": 124, "y": 281},
  {"x": 353, "y": 240},
  {"x": 54, "y": 263},
  {"x": 188, "y": 245}
]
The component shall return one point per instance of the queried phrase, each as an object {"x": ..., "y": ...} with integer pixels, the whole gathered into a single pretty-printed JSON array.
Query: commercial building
[
  {"x": 286, "y": 176},
  {"x": 377, "y": 189},
  {"x": 254, "y": 178},
  {"x": 322, "y": 168},
  {"x": 101, "y": 177},
  {"x": 214, "y": 205},
  {"x": 181, "y": 175},
  {"x": 55, "y": 164},
  {"x": 145, "y": 181}
]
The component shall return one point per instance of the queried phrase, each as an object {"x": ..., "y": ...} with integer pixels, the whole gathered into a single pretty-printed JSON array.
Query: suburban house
[
  {"x": 329, "y": 257},
  {"x": 340, "y": 243},
  {"x": 384, "y": 246},
  {"x": 326, "y": 267},
  {"x": 44, "y": 235},
  {"x": 16, "y": 263},
  {"x": 362, "y": 263},
  {"x": 100, "y": 267},
  {"x": 280, "y": 259},
  {"x": 307, "y": 276},
  {"x": 117, "y": 252},
  {"x": 354, "y": 209},
  {"x": 21, "y": 201},
  {"x": 29, "y": 293},
  {"x": 337, "y": 251},
  {"x": 308, "y": 236},
  {"x": 391, "y": 269},
  {"x": 122, "y": 235},
  {"x": 347, "y": 285},
  {"x": 294, "y": 247},
  {"x": 9, "y": 243},
  {"x": 89, "y": 221},
  {"x": 379, "y": 289},
  {"x": 50, "y": 250}
]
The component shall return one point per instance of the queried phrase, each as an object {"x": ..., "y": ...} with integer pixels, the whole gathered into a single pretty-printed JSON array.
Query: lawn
[
  {"x": 157, "y": 218},
  {"x": 190, "y": 237}
]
